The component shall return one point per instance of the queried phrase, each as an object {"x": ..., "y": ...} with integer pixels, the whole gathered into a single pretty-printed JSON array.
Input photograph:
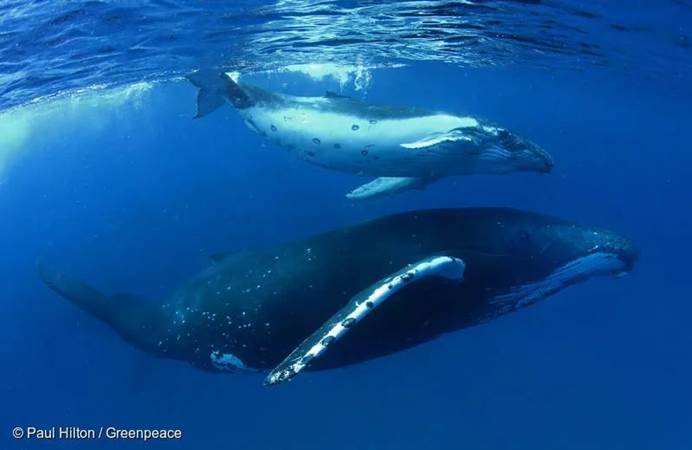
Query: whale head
[
  {"x": 546, "y": 255},
  {"x": 505, "y": 151},
  {"x": 612, "y": 253},
  {"x": 574, "y": 252}
]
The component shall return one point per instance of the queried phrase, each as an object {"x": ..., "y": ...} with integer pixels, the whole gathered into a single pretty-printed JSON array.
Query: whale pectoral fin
[
  {"x": 437, "y": 139},
  {"x": 388, "y": 186},
  {"x": 359, "y": 307}
]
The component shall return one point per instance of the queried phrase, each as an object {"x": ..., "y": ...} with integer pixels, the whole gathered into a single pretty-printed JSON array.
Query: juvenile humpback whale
[
  {"x": 407, "y": 148},
  {"x": 360, "y": 292}
]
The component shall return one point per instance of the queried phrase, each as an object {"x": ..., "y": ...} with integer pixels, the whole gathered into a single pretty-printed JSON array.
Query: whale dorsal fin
[
  {"x": 359, "y": 307},
  {"x": 332, "y": 94},
  {"x": 126, "y": 298},
  {"x": 222, "y": 256}
]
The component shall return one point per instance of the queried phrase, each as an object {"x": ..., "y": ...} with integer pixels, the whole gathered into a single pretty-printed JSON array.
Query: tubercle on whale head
[
  {"x": 591, "y": 241},
  {"x": 617, "y": 246},
  {"x": 526, "y": 155}
]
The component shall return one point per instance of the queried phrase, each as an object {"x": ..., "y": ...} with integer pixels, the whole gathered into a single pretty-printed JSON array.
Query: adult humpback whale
[
  {"x": 408, "y": 148},
  {"x": 360, "y": 292}
]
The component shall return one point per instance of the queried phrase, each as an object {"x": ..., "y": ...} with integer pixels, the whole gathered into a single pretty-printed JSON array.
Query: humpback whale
[
  {"x": 359, "y": 292},
  {"x": 404, "y": 147}
]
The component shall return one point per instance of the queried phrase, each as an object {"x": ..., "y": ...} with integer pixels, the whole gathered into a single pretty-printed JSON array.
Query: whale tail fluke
[
  {"x": 207, "y": 102},
  {"x": 214, "y": 88},
  {"x": 129, "y": 315},
  {"x": 81, "y": 294}
]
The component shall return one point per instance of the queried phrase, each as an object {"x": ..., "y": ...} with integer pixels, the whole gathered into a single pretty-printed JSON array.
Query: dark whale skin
[{"x": 259, "y": 305}]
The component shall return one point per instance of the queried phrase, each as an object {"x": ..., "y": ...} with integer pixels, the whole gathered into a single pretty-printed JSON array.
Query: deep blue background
[{"x": 134, "y": 195}]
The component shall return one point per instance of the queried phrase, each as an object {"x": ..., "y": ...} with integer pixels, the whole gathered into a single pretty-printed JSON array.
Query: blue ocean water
[{"x": 104, "y": 172}]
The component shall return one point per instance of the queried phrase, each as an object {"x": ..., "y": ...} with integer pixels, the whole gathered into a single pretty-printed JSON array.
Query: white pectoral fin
[
  {"x": 388, "y": 186},
  {"x": 359, "y": 307},
  {"x": 437, "y": 139}
]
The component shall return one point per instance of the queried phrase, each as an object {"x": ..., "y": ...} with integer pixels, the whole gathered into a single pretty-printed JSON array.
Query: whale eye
[{"x": 355, "y": 127}]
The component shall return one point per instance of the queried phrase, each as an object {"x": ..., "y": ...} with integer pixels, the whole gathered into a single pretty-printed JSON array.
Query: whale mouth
[
  {"x": 525, "y": 154},
  {"x": 548, "y": 162},
  {"x": 574, "y": 271},
  {"x": 597, "y": 263},
  {"x": 538, "y": 158}
]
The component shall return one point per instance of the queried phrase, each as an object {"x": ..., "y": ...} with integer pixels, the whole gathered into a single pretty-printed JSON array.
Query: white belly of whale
[{"x": 349, "y": 143}]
